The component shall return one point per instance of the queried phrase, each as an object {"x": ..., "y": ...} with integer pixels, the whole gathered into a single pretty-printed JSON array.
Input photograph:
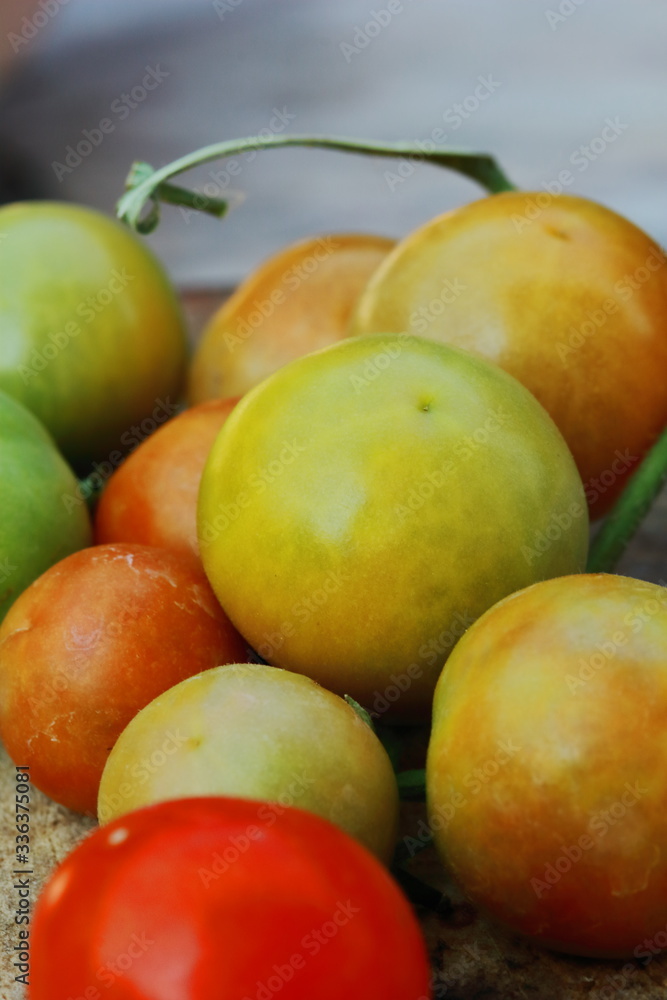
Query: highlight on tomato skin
[
  {"x": 297, "y": 301},
  {"x": 261, "y": 733},
  {"x": 91, "y": 642},
  {"x": 98, "y": 333},
  {"x": 557, "y": 697},
  {"x": 224, "y": 898},
  {"x": 561, "y": 292},
  {"x": 151, "y": 499},
  {"x": 388, "y": 487}
]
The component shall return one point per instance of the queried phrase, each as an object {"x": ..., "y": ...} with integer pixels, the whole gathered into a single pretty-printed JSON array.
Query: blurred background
[{"x": 546, "y": 85}]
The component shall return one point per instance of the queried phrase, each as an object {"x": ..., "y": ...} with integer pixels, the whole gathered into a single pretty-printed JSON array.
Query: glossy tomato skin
[
  {"x": 93, "y": 339},
  {"x": 564, "y": 294},
  {"x": 37, "y": 528},
  {"x": 91, "y": 642},
  {"x": 547, "y": 762},
  {"x": 296, "y": 302},
  {"x": 205, "y": 898},
  {"x": 151, "y": 498},
  {"x": 389, "y": 490},
  {"x": 260, "y": 733}
]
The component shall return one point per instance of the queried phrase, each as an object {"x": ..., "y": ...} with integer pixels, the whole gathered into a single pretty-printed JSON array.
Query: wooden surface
[{"x": 472, "y": 958}]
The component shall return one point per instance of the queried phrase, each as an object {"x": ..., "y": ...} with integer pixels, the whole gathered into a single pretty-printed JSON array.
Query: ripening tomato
[
  {"x": 203, "y": 899},
  {"x": 364, "y": 504},
  {"x": 260, "y": 733},
  {"x": 561, "y": 292},
  {"x": 91, "y": 642},
  {"x": 91, "y": 335},
  {"x": 152, "y": 497},
  {"x": 546, "y": 767},
  {"x": 297, "y": 301}
]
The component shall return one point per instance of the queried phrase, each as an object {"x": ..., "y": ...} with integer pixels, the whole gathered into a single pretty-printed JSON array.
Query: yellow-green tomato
[
  {"x": 561, "y": 292},
  {"x": 366, "y": 503},
  {"x": 546, "y": 770},
  {"x": 91, "y": 335},
  {"x": 252, "y": 731}
]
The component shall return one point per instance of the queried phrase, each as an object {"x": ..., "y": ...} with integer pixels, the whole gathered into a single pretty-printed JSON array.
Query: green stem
[
  {"x": 630, "y": 509},
  {"x": 412, "y": 785},
  {"x": 146, "y": 185}
]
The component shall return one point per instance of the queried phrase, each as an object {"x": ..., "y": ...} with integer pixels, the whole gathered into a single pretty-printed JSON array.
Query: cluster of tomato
[{"x": 387, "y": 447}]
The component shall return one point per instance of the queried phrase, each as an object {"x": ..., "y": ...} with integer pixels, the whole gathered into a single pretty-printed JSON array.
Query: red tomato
[
  {"x": 224, "y": 899},
  {"x": 152, "y": 496},
  {"x": 88, "y": 645}
]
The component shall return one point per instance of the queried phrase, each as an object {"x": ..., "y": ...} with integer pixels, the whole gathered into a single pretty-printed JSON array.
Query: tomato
[
  {"x": 91, "y": 642},
  {"x": 260, "y": 733},
  {"x": 564, "y": 294},
  {"x": 92, "y": 337},
  {"x": 297, "y": 301},
  {"x": 152, "y": 497},
  {"x": 363, "y": 505},
  {"x": 205, "y": 898},
  {"x": 546, "y": 767},
  {"x": 36, "y": 526}
]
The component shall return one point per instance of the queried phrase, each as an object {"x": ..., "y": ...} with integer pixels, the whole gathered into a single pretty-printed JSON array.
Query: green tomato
[
  {"x": 252, "y": 731},
  {"x": 91, "y": 337},
  {"x": 365, "y": 504},
  {"x": 41, "y": 518}
]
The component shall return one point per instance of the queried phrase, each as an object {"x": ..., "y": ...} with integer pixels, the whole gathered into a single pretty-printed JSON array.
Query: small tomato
[{"x": 197, "y": 899}]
